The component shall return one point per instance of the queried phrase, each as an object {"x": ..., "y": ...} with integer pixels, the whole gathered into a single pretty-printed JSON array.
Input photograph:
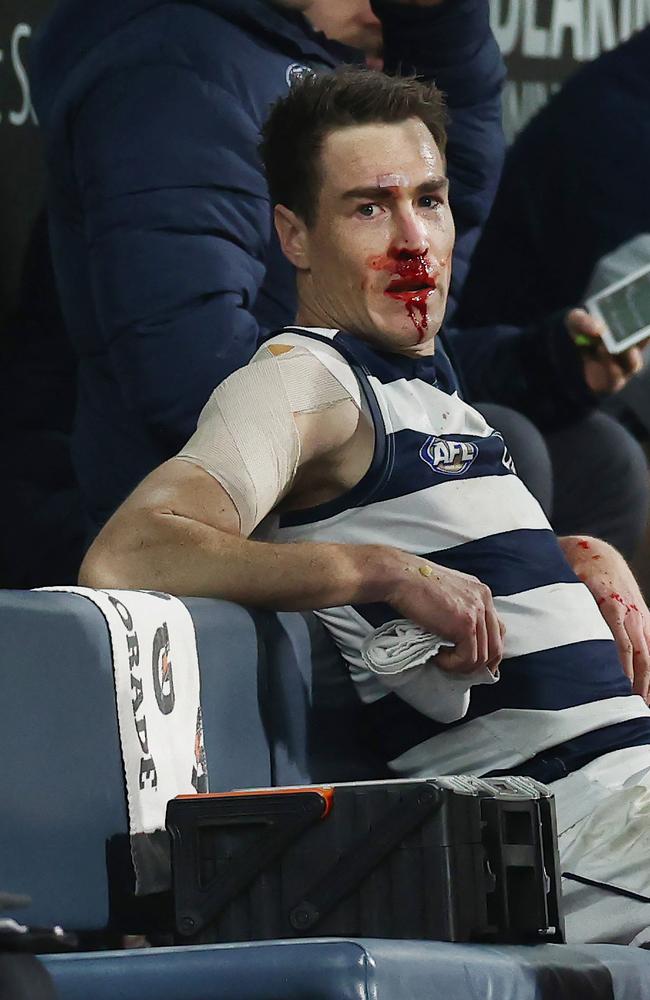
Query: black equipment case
[{"x": 450, "y": 859}]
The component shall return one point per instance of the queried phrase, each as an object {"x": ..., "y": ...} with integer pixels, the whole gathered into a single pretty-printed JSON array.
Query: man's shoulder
[
  {"x": 318, "y": 341},
  {"x": 321, "y": 352}
]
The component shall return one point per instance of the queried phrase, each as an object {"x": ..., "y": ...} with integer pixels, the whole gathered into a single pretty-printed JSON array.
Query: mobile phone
[{"x": 624, "y": 308}]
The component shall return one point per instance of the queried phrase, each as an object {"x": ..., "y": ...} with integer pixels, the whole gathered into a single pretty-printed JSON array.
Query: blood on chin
[
  {"x": 416, "y": 304},
  {"x": 414, "y": 280}
]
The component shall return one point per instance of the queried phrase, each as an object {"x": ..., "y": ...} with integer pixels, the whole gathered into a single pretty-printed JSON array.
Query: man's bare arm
[
  {"x": 179, "y": 532},
  {"x": 611, "y": 581}
]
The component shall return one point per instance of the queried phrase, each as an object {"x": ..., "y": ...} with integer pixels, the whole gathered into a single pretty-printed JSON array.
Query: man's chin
[
  {"x": 408, "y": 336},
  {"x": 423, "y": 349},
  {"x": 396, "y": 332}
]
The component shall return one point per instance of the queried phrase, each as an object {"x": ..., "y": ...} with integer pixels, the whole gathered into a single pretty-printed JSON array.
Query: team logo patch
[
  {"x": 450, "y": 458},
  {"x": 297, "y": 72}
]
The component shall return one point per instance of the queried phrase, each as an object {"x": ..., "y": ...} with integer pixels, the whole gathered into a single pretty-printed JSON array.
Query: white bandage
[
  {"x": 247, "y": 438},
  {"x": 392, "y": 180}
]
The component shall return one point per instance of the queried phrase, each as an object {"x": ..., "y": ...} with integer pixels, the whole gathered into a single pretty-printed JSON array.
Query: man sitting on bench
[{"x": 346, "y": 438}]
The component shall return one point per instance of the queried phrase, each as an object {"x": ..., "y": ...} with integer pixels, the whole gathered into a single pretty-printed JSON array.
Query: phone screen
[{"x": 625, "y": 309}]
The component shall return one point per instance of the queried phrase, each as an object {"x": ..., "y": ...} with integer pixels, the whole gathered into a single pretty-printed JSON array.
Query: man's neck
[{"x": 308, "y": 315}]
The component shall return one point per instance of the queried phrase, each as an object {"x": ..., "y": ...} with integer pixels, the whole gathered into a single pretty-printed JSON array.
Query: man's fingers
[
  {"x": 496, "y": 631},
  {"x": 461, "y": 658},
  {"x": 623, "y": 645},
  {"x": 640, "y": 655},
  {"x": 481, "y": 646},
  {"x": 583, "y": 324},
  {"x": 631, "y": 361},
  {"x": 616, "y": 376},
  {"x": 482, "y": 641},
  {"x": 602, "y": 374}
]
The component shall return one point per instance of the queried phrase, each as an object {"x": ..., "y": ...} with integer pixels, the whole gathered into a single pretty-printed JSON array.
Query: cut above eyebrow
[{"x": 375, "y": 193}]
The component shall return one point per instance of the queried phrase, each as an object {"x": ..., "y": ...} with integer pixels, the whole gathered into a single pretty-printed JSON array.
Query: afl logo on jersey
[
  {"x": 297, "y": 72},
  {"x": 450, "y": 458}
]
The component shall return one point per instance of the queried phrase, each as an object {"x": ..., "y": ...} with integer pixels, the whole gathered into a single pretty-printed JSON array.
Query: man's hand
[
  {"x": 455, "y": 606},
  {"x": 604, "y": 571},
  {"x": 604, "y": 372}
]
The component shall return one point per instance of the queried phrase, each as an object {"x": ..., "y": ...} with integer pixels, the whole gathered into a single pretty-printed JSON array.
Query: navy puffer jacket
[{"x": 167, "y": 265}]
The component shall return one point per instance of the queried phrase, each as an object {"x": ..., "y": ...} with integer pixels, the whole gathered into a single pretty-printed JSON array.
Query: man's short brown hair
[{"x": 319, "y": 104}]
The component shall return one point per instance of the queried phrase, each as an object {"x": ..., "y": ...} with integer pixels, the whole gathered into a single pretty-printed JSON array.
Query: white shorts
[{"x": 603, "y": 813}]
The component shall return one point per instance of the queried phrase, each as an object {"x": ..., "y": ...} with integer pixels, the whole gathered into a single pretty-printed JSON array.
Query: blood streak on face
[{"x": 414, "y": 280}]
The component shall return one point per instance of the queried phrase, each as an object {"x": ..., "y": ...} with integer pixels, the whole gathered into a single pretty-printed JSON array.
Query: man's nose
[{"x": 410, "y": 233}]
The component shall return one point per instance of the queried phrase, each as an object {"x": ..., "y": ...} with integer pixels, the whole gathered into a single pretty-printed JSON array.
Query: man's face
[
  {"x": 378, "y": 257},
  {"x": 349, "y": 21}
]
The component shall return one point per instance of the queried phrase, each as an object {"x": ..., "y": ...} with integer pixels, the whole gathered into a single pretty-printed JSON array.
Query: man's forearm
[
  {"x": 604, "y": 571},
  {"x": 583, "y": 551},
  {"x": 178, "y": 555},
  {"x": 145, "y": 548}
]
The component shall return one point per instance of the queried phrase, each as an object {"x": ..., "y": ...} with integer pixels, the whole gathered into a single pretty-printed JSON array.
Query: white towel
[
  {"x": 157, "y": 688},
  {"x": 399, "y": 653}
]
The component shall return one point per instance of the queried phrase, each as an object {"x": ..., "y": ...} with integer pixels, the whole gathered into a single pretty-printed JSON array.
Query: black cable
[{"x": 607, "y": 886}]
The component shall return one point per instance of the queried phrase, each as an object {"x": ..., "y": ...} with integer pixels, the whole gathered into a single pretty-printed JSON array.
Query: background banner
[{"x": 544, "y": 41}]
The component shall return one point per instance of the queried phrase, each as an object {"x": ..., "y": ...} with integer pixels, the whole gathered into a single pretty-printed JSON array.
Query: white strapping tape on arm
[{"x": 247, "y": 438}]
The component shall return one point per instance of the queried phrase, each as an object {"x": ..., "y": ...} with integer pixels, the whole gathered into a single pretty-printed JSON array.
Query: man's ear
[{"x": 294, "y": 237}]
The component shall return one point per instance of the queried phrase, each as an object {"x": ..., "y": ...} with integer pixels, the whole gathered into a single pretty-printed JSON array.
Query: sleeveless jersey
[{"x": 441, "y": 485}]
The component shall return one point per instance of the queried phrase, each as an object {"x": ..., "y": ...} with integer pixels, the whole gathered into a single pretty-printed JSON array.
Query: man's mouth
[
  {"x": 404, "y": 288},
  {"x": 413, "y": 278}
]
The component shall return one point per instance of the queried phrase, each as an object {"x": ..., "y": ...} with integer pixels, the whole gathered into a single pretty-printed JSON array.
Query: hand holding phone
[
  {"x": 624, "y": 309},
  {"x": 604, "y": 373}
]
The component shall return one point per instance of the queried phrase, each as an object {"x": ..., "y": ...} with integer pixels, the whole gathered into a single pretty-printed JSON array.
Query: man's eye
[
  {"x": 429, "y": 201},
  {"x": 369, "y": 210}
]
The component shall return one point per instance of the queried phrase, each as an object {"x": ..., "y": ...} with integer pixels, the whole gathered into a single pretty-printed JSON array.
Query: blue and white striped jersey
[{"x": 441, "y": 485}]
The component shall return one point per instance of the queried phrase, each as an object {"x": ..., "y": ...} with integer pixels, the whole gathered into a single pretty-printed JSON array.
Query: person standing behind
[
  {"x": 572, "y": 194},
  {"x": 556, "y": 215}
]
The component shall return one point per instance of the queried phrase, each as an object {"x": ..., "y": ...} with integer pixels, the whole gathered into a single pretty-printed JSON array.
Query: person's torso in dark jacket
[{"x": 182, "y": 79}]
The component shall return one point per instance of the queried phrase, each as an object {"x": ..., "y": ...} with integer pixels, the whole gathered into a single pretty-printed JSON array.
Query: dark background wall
[
  {"x": 543, "y": 41},
  {"x": 21, "y": 175}
]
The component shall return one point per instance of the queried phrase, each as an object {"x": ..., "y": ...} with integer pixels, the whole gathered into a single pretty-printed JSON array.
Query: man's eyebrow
[{"x": 375, "y": 193}]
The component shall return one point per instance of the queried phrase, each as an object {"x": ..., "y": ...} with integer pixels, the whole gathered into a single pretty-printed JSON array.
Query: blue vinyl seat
[
  {"x": 366, "y": 969},
  {"x": 278, "y": 708}
]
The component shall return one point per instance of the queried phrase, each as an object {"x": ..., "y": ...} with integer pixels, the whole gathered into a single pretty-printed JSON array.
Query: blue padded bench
[
  {"x": 356, "y": 970},
  {"x": 278, "y": 708}
]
